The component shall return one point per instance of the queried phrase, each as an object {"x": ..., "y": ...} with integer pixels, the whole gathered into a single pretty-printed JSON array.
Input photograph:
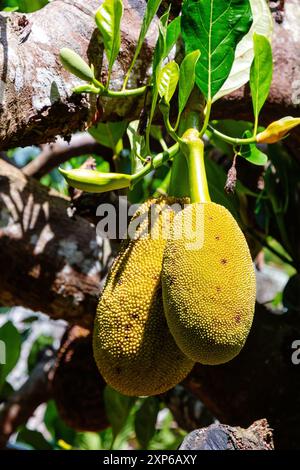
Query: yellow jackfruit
[
  {"x": 133, "y": 348},
  {"x": 209, "y": 290}
]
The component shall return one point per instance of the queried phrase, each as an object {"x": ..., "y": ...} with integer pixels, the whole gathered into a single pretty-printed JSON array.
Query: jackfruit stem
[{"x": 193, "y": 148}]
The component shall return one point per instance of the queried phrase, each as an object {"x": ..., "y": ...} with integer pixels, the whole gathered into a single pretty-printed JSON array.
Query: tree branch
[
  {"x": 50, "y": 262},
  {"x": 221, "y": 437},
  {"x": 53, "y": 155},
  {"x": 36, "y": 100}
]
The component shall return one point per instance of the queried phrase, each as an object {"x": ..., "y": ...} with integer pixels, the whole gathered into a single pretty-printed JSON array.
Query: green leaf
[
  {"x": 117, "y": 408},
  {"x": 88, "y": 441},
  {"x": 108, "y": 20},
  {"x": 56, "y": 427},
  {"x": 240, "y": 72},
  {"x": 251, "y": 153},
  {"x": 167, "y": 81},
  {"x": 145, "y": 421},
  {"x": 151, "y": 10},
  {"x": 187, "y": 78},
  {"x": 161, "y": 45},
  {"x": 167, "y": 37},
  {"x": 39, "y": 344},
  {"x": 75, "y": 64},
  {"x": 109, "y": 133},
  {"x": 214, "y": 27},
  {"x": 172, "y": 35},
  {"x": 277, "y": 130},
  {"x": 261, "y": 73},
  {"x": 10, "y": 348},
  {"x": 34, "y": 438}
]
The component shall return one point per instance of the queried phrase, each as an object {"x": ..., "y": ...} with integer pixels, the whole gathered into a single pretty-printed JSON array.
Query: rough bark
[
  {"x": 36, "y": 98},
  {"x": 261, "y": 381},
  {"x": 50, "y": 262},
  {"x": 221, "y": 437}
]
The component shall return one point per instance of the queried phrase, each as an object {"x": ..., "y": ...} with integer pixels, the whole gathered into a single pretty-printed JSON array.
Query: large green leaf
[
  {"x": 10, "y": 347},
  {"x": 108, "y": 19},
  {"x": 109, "y": 133},
  {"x": 167, "y": 80},
  {"x": 261, "y": 73},
  {"x": 187, "y": 78},
  {"x": 214, "y": 27},
  {"x": 145, "y": 421},
  {"x": 240, "y": 72},
  {"x": 117, "y": 408}
]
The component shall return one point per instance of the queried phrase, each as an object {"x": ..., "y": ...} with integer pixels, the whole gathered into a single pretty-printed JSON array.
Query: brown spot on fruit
[
  {"x": 224, "y": 261},
  {"x": 237, "y": 318}
]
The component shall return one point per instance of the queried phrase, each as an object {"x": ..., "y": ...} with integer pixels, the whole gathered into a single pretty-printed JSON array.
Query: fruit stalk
[{"x": 193, "y": 148}]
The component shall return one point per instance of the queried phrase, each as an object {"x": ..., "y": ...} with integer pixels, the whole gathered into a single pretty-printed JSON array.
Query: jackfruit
[
  {"x": 208, "y": 284},
  {"x": 77, "y": 385},
  {"x": 133, "y": 348}
]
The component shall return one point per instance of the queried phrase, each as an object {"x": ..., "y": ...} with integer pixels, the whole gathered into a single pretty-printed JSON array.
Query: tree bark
[
  {"x": 50, "y": 262},
  {"x": 221, "y": 437},
  {"x": 36, "y": 100}
]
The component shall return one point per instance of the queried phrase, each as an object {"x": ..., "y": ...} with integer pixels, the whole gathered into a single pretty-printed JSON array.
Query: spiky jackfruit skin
[
  {"x": 209, "y": 292},
  {"x": 133, "y": 348}
]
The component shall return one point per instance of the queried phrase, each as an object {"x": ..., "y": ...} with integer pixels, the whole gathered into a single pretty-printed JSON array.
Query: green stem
[
  {"x": 193, "y": 148},
  {"x": 157, "y": 161},
  {"x": 232, "y": 140},
  {"x": 179, "y": 182},
  {"x": 126, "y": 93},
  {"x": 152, "y": 111},
  {"x": 127, "y": 76},
  {"x": 190, "y": 118},
  {"x": 207, "y": 118},
  {"x": 255, "y": 127},
  {"x": 166, "y": 115}
]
